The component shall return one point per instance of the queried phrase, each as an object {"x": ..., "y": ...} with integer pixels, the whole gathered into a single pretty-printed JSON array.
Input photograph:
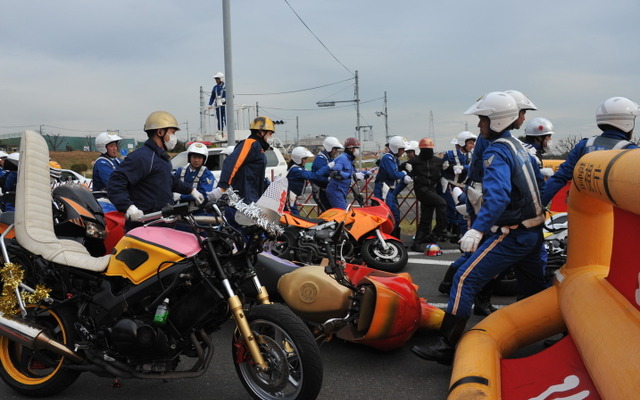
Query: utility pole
[
  {"x": 386, "y": 120},
  {"x": 203, "y": 111},
  {"x": 357, "y": 92},
  {"x": 432, "y": 133},
  {"x": 228, "y": 69},
  {"x": 297, "y": 130}
]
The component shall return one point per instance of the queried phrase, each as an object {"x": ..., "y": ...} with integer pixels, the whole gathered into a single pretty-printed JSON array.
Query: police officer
[
  {"x": 195, "y": 173},
  {"x": 389, "y": 174},
  {"x": 245, "y": 167},
  {"x": 297, "y": 176},
  {"x": 342, "y": 172},
  {"x": 510, "y": 218},
  {"x": 426, "y": 171},
  {"x": 616, "y": 118},
  {"x": 143, "y": 182},
  {"x": 319, "y": 185},
  {"x": 454, "y": 174},
  {"x": 218, "y": 100},
  {"x": 107, "y": 162}
]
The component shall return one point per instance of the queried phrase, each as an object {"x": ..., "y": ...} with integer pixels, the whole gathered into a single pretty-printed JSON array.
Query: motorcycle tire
[
  {"x": 287, "y": 345},
  {"x": 39, "y": 373},
  {"x": 392, "y": 260}
]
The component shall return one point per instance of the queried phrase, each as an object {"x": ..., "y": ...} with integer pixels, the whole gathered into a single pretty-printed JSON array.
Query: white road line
[
  {"x": 445, "y": 251},
  {"x": 429, "y": 261},
  {"x": 444, "y": 305}
]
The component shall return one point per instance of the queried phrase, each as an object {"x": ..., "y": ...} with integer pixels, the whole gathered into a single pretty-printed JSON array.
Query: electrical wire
[
  {"x": 318, "y": 39},
  {"x": 293, "y": 91}
]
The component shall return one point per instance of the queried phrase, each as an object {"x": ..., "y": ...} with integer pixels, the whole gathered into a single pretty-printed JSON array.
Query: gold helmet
[
  {"x": 262, "y": 124},
  {"x": 160, "y": 120}
]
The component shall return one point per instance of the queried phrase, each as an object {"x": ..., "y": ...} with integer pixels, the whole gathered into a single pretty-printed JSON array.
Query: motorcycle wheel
[
  {"x": 294, "y": 364},
  {"x": 393, "y": 259},
  {"x": 39, "y": 373}
]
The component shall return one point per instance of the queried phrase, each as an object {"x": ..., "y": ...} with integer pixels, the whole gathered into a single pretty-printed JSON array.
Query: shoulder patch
[{"x": 488, "y": 161}]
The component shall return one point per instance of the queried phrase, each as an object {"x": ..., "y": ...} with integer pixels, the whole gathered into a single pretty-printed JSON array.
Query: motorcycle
[
  {"x": 152, "y": 303},
  {"x": 349, "y": 301},
  {"x": 369, "y": 229}
]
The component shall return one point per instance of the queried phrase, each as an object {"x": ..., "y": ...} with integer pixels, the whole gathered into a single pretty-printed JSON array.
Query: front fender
[{"x": 386, "y": 236}]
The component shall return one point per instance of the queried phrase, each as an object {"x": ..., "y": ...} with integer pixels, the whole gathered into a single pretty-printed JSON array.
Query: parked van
[{"x": 276, "y": 164}]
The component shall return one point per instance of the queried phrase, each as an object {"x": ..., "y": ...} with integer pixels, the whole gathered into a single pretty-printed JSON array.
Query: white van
[{"x": 276, "y": 164}]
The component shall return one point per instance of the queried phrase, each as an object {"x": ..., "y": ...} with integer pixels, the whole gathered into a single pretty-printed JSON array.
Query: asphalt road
[{"x": 350, "y": 371}]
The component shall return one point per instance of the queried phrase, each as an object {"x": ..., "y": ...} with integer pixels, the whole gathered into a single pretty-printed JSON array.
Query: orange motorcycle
[{"x": 369, "y": 231}]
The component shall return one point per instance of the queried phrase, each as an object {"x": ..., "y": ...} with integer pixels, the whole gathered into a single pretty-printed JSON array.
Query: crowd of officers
[{"x": 488, "y": 193}]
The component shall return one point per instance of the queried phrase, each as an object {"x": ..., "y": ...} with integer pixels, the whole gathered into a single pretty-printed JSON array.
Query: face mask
[
  {"x": 173, "y": 140},
  {"x": 356, "y": 152},
  {"x": 548, "y": 144}
]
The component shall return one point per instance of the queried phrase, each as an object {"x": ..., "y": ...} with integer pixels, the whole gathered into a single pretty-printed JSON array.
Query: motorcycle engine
[{"x": 139, "y": 340}]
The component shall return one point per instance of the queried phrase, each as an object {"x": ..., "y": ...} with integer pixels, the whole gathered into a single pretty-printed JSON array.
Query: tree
[
  {"x": 564, "y": 146},
  {"x": 54, "y": 141}
]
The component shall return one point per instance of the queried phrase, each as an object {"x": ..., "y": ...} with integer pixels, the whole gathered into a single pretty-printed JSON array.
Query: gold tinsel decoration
[{"x": 11, "y": 276}]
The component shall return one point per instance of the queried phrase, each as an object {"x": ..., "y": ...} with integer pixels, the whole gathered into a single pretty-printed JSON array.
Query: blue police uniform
[
  {"x": 297, "y": 178},
  {"x": 320, "y": 183},
  {"x": 9, "y": 183},
  {"x": 102, "y": 169},
  {"x": 455, "y": 157},
  {"x": 608, "y": 140},
  {"x": 511, "y": 200},
  {"x": 341, "y": 176},
  {"x": 219, "y": 91},
  {"x": 144, "y": 178},
  {"x": 389, "y": 173},
  {"x": 201, "y": 179}
]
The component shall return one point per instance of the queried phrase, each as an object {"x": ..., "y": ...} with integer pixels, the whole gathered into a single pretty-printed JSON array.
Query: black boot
[
  {"x": 482, "y": 301},
  {"x": 396, "y": 233},
  {"x": 444, "y": 347},
  {"x": 421, "y": 236},
  {"x": 447, "y": 281}
]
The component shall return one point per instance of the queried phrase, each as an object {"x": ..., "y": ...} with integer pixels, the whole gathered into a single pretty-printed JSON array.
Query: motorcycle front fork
[
  {"x": 383, "y": 242},
  {"x": 243, "y": 324}
]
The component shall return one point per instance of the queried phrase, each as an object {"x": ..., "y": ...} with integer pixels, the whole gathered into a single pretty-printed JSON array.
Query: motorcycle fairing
[{"x": 163, "y": 247}]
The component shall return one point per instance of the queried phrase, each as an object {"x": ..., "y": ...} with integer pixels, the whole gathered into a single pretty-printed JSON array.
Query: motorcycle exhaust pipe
[{"x": 33, "y": 337}]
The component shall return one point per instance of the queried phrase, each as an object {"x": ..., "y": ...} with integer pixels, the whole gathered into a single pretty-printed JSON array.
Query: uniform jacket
[
  {"x": 389, "y": 171},
  {"x": 201, "y": 179},
  {"x": 245, "y": 167},
  {"x": 320, "y": 161},
  {"x": 102, "y": 169}
]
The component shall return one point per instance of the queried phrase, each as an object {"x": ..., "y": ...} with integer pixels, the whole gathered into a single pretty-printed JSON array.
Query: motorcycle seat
[
  {"x": 312, "y": 220},
  {"x": 34, "y": 215}
]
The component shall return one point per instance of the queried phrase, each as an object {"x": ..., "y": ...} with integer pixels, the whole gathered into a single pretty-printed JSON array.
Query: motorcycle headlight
[{"x": 95, "y": 231}]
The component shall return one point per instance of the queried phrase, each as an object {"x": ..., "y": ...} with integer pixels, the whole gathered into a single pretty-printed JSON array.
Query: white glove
[
  {"x": 359, "y": 176},
  {"x": 408, "y": 167},
  {"x": 470, "y": 240},
  {"x": 331, "y": 164},
  {"x": 176, "y": 197},
  {"x": 457, "y": 169},
  {"x": 134, "y": 213},
  {"x": 197, "y": 196},
  {"x": 215, "y": 194},
  {"x": 546, "y": 172},
  {"x": 445, "y": 165},
  {"x": 407, "y": 180}
]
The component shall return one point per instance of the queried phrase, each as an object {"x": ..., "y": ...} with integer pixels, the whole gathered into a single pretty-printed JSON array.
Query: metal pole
[
  {"x": 202, "y": 111},
  {"x": 358, "y": 120},
  {"x": 297, "y": 131},
  {"x": 386, "y": 115},
  {"x": 228, "y": 70}
]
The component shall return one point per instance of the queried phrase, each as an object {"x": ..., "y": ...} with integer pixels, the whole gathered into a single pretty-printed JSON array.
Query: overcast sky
[{"x": 81, "y": 67}]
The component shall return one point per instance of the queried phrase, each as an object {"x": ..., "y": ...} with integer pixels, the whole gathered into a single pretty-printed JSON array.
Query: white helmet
[
  {"x": 618, "y": 112},
  {"x": 3, "y": 154},
  {"x": 298, "y": 153},
  {"x": 462, "y": 138},
  {"x": 219, "y": 75},
  {"x": 104, "y": 138},
  {"x": 538, "y": 126},
  {"x": 396, "y": 143},
  {"x": 413, "y": 146},
  {"x": 523, "y": 101},
  {"x": 198, "y": 148},
  {"x": 331, "y": 143},
  {"x": 228, "y": 150},
  {"x": 499, "y": 107}
]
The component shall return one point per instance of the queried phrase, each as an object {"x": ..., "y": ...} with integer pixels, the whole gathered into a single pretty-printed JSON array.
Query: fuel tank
[
  {"x": 147, "y": 250},
  {"x": 313, "y": 294}
]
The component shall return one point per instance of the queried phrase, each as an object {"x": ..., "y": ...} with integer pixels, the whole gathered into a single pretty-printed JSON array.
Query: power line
[
  {"x": 317, "y": 38},
  {"x": 292, "y": 91}
]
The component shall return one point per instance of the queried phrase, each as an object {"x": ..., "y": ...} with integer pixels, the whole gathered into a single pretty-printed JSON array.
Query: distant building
[{"x": 11, "y": 143}]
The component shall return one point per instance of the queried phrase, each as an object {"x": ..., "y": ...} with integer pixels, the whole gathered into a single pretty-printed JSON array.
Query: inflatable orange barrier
[{"x": 595, "y": 297}]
